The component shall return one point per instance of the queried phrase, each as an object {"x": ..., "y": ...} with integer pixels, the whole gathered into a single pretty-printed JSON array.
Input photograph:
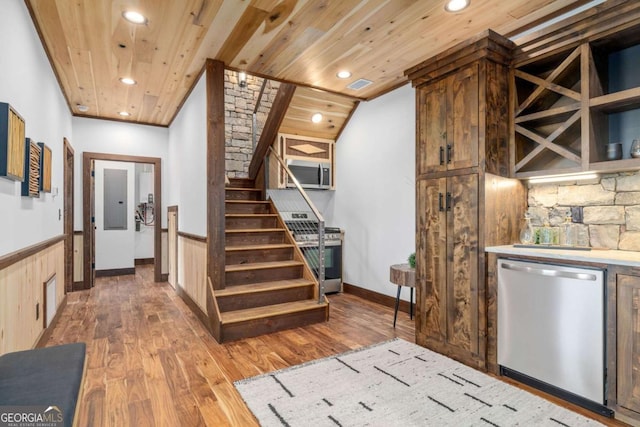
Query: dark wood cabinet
[
  {"x": 623, "y": 340},
  {"x": 448, "y": 125},
  {"x": 448, "y": 248},
  {"x": 463, "y": 200},
  {"x": 628, "y": 326}
]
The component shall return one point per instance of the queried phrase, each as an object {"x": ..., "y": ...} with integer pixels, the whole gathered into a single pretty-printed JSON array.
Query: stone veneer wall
[
  {"x": 606, "y": 209},
  {"x": 239, "y": 105}
]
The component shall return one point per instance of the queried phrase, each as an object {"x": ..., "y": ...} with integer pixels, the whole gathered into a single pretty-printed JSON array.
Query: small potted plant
[{"x": 412, "y": 260}]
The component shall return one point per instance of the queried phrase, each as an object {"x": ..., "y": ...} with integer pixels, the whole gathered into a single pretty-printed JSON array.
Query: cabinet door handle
[
  {"x": 440, "y": 206},
  {"x": 448, "y": 201},
  {"x": 449, "y": 153},
  {"x": 441, "y": 155}
]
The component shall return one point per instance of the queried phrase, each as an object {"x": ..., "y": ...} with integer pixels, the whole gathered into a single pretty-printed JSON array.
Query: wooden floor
[{"x": 151, "y": 362}]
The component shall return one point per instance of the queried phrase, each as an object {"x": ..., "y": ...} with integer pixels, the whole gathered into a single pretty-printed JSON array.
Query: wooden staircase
[{"x": 268, "y": 286}]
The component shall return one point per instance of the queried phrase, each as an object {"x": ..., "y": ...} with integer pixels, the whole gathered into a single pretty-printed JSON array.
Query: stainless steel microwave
[{"x": 310, "y": 174}]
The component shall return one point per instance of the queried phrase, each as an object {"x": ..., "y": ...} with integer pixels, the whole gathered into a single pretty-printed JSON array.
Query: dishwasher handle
[{"x": 549, "y": 272}]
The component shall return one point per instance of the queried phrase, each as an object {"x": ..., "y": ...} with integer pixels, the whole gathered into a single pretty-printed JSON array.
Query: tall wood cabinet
[
  {"x": 449, "y": 122},
  {"x": 463, "y": 200},
  {"x": 623, "y": 340}
]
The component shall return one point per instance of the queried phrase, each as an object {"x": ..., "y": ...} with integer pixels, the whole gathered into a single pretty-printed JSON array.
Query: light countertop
[{"x": 604, "y": 256}]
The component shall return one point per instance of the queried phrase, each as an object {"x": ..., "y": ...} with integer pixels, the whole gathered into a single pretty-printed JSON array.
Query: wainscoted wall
[
  {"x": 192, "y": 269},
  {"x": 606, "y": 210},
  {"x": 22, "y": 296}
]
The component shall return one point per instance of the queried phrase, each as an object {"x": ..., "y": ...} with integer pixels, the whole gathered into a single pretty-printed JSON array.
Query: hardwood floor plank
[
  {"x": 159, "y": 391},
  {"x": 136, "y": 386},
  {"x": 94, "y": 406},
  {"x": 97, "y": 352},
  {"x": 116, "y": 401},
  {"x": 233, "y": 406},
  {"x": 188, "y": 411},
  {"x": 140, "y": 414}
]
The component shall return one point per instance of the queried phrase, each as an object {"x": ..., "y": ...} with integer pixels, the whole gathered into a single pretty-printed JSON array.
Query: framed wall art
[
  {"x": 12, "y": 143},
  {"x": 45, "y": 168},
  {"x": 31, "y": 182}
]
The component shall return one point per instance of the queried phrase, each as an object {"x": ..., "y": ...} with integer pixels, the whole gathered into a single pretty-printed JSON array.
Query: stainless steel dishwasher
[{"x": 551, "y": 331}]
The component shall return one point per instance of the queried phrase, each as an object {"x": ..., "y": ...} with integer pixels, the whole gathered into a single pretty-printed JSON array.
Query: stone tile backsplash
[{"x": 605, "y": 211}]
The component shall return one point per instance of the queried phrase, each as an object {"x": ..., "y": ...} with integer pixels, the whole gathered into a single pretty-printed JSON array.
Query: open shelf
[
  {"x": 547, "y": 116},
  {"x": 550, "y": 98},
  {"x": 617, "y": 102}
]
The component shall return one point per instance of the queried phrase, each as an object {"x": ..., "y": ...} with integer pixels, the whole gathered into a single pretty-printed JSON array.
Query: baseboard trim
[
  {"x": 195, "y": 308},
  {"x": 376, "y": 297},
  {"x": 78, "y": 286},
  {"x": 143, "y": 261},
  {"x": 164, "y": 277},
  {"x": 46, "y": 333},
  {"x": 115, "y": 272}
]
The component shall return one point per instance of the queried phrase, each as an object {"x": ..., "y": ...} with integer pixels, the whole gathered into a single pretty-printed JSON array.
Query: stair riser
[
  {"x": 264, "y": 255},
  {"x": 241, "y": 183},
  {"x": 250, "y": 222},
  {"x": 259, "y": 238},
  {"x": 262, "y": 275},
  {"x": 253, "y": 328},
  {"x": 246, "y": 208},
  {"x": 261, "y": 299},
  {"x": 243, "y": 195}
]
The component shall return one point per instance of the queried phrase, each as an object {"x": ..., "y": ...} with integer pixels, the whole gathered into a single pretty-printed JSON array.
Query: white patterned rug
[{"x": 395, "y": 383}]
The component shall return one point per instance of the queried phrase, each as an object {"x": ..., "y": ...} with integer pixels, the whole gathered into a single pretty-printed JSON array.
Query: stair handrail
[
  {"x": 254, "y": 115},
  {"x": 316, "y": 212}
]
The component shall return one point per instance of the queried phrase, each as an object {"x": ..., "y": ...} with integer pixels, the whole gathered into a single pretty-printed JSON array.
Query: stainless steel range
[{"x": 306, "y": 233}]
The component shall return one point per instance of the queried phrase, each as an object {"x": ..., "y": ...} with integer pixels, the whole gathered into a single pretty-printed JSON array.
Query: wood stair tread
[
  {"x": 242, "y": 189},
  {"x": 248, "y": 314},
  {"x": 253, "y": 230},
  {"x": 261, "y": 265},
  {"x": 261, "y": 287},
  {"x": 265, "y": 246},
  {"x": 244, "y": 202}
]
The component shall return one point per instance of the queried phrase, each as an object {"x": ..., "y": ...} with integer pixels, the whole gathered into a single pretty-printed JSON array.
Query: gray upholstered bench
[{"x": 49, "y": 377}]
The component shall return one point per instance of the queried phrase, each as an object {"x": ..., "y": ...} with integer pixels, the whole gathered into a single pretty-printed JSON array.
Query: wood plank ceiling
[{"x": 305, "y": 42}]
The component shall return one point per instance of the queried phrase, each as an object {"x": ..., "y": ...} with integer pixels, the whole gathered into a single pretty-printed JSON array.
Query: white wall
[
  {"x": 188, "y": 162},
  {"x": 111, "y": 137},
  {"x": 114, "y": 248},
  {"x": 29, "y": 85},
  {"x": 374, "y": 200}
]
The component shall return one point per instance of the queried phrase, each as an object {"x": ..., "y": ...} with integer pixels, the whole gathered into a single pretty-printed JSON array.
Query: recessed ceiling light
[
  {"x": 134, "y": 17},
  {"x": 127, "y": 80},
  {"x": 456, "y": 5},
  {"x": 316, "y": 118},
  {"x": 124, "y": 113},
  {"x": 344, "y": 74},
  {"x": 82, "y": 108}
]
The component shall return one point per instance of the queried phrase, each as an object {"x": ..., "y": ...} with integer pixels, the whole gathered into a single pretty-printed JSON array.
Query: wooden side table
[{"x": 403, "y": 275}]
